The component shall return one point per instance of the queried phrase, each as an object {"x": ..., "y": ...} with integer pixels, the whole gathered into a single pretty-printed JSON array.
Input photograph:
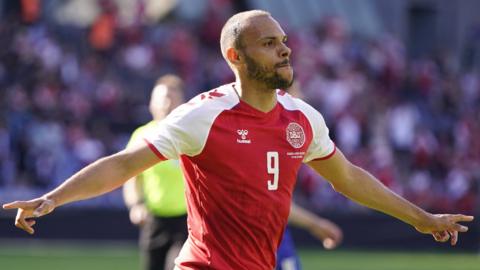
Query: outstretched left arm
[{"x": 360, "y": 186}]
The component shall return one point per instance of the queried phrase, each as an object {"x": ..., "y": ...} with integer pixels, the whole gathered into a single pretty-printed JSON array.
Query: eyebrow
[{"x": 284, "y": 37}]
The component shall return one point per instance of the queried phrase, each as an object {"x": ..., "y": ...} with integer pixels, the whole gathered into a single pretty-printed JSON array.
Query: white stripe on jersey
[{"x": 185, "y": 130}]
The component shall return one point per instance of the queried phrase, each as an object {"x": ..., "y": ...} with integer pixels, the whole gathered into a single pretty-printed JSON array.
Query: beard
[{"x": 268, "y": 76}]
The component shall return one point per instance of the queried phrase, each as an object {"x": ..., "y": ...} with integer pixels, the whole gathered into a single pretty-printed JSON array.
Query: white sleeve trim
[{"x": 186, "y": 129}]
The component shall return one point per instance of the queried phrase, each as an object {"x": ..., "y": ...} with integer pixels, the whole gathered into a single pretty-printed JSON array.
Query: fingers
[
  {"x": 21, "y": 222},
  {"x": 454, "y": 219},
  {"x": 448, "y": 222},
  {"x": 333, "y": 238},
  {"x": 329, "y": 243},
  {"x": 436, "y": 236},
  {"x": 453, "y": 237},
  {"x": 453, "y": 228},
  {"x": 461, "y": 218},
  {"x": 138, "y": 215},
  {"x": 460, "y": 228},
  {"x": 444, "y": 236},
  {"x": 336, "y": 236},
  {"x": 31, "y": 222},
  {"x": 27, "y": 209},
  {"x": 441, "y": 236},
  {"x": 15, "y": 204},
  {"x": 332, "y": 241}
]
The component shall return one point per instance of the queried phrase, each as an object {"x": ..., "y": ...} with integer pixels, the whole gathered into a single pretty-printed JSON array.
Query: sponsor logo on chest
[{"x": 242, "y": 133}]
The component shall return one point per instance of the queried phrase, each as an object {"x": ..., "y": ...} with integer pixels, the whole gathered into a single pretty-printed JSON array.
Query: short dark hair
[{"x": 234, "y": 27}]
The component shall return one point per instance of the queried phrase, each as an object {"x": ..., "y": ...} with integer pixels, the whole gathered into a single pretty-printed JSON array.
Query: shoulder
[
  {"x": 321, "y": 145},
  {"x": 187, "y": 127},
  {"x": 207, "y": 104},
  {"x": 295, "y": 104}
]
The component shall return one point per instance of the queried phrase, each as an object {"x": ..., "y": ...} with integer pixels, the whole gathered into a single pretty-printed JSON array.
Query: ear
[{"x": 233, "y": 56}]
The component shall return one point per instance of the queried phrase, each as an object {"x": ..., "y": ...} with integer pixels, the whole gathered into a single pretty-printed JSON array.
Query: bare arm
[
  {"x": 360, "y": 186},
  {"x": 325, "y": 230},
  {"x": 134, "y": 200},
  {"x": 98, "y": 178},
  {"x": 104, "y": 175},
  {"x": 133, "y": 192}
]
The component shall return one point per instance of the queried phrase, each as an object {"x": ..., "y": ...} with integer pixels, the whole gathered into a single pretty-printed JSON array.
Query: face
[
  {"x": 164, "y": 100},
  {"x": 265, "y": 54}
]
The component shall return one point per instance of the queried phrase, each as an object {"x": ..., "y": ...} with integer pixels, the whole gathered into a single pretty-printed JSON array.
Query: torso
[{"x": 240, "y": 181}]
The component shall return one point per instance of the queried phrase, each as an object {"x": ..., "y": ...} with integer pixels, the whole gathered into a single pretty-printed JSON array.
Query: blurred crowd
[
  {"x": 70, "y": 95},
  {"x": 412, "y": 122}
]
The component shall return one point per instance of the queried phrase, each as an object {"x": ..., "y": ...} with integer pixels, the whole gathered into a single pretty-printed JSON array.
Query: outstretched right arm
[{"x": 102, "y": 176}]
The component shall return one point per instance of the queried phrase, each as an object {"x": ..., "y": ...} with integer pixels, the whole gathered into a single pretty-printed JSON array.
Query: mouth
[{"x": 283, "y": 64}]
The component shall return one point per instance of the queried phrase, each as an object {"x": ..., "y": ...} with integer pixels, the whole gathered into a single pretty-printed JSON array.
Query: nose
[{"x": 285, "y": 51}]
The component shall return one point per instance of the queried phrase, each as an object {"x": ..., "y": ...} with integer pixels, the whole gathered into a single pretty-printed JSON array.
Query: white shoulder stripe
[{"x": 186, "y": 129}]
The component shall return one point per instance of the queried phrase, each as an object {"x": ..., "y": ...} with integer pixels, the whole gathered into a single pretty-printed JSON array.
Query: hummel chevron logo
[{"x": 243, "y": 136}]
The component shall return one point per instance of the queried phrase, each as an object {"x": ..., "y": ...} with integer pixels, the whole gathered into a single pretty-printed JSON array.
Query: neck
[{"x": 255, "y": 95}]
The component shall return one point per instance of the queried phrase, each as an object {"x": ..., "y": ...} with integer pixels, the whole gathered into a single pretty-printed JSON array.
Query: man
[
  {"x": 240, "y": 147},
  {"x": 156, "y": 201},
  {"x": 155, "y": 197}
]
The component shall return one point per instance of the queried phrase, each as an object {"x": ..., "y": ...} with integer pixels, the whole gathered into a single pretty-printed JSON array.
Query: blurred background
[{"x": 398, "y": 83}]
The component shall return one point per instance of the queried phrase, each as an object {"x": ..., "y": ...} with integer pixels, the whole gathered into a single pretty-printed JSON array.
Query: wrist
[
  {"x": 52, "y": 200},
  {"x": 423, "y": 220}
]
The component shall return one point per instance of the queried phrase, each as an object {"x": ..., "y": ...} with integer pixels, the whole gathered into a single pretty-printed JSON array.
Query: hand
[
  {"x": 28, "y": 210},
  {"x": 138, "y": 214},
  {"x": 325, "y": 230},
  {"x": 444, "y": 227}
]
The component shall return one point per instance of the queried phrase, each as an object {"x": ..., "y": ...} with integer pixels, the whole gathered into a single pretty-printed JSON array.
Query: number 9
[{"x": 272, "y": 168}]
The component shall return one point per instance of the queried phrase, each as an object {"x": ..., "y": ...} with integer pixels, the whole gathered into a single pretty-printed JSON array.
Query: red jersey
[{"x": 240, "y": 167}]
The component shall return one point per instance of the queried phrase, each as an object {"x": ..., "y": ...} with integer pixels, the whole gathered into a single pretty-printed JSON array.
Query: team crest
[{"x": 295, "y": 135}]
